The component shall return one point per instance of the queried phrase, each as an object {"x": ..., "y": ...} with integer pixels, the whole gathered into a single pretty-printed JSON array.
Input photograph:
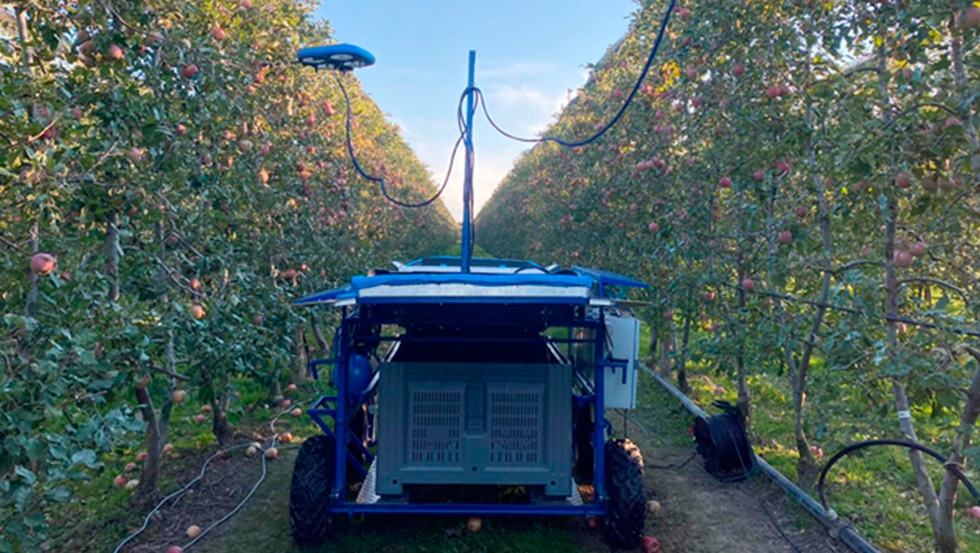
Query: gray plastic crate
[{"x": 493, "y": 424}]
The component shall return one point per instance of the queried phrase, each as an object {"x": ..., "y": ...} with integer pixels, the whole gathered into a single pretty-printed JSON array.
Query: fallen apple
[
  {"x": 975, "y": 512},
  {"x": 474, "y": 524},
  {"x": 291, "y": 388},
  {"x": 271, "y": 453},
  {"x": 653, "y": 507},
  {"x": 132, "y": 484},
  {"x": 200, "y": 418},
  {"x": 650, "y": 545},
  {"x": 141, "y": 456},
  {"x": 206, "y": 408},
  {"x": 193, "y": 531},
  {"x": 296, "y": 413},
  {"x": 120, "y": 481},
  {"x": 167, "y": 448},
  {"x": 252, "y": 451},
  {"x": 130, "y": 467},
  {"x": 179, "y": 396}
]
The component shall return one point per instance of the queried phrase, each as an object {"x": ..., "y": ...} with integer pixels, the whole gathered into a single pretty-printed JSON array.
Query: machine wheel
[
  {"x": 309, "y": 495},
  {"x": 626, "y": 509}
]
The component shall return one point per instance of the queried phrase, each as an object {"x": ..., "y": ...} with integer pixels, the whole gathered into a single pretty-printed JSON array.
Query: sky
[{"x": 531, "y": 56}]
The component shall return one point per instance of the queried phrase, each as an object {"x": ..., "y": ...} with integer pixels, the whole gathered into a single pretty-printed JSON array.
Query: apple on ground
[
  {"x": 179, "y": 396},
  {"x": 975, "y": 512},
  {"x": 650, "y": 544},
  {"x": 119, "y": 481},
  {"x": 175, "y": 549},
  {"x": 132, "y": 484},
  {"x": 193, "y": 531},
  {"x": 141, "y": 456},
  {"x": 296, "y": 413},
  {"x": 130, "y": 467},
  {"x": 291, "y": 388},
  {"x": 748, "y": 284},
  {"x": 474, "y": 524},
  {"x": 167, "y": 448},
  {"x": 200, "y": 418},
  {"x": 271, "y": 454},
  {"x": 205, "y": 408},
  {"x": 653, "y": 507},
  {"x": 785, "y": 237}
]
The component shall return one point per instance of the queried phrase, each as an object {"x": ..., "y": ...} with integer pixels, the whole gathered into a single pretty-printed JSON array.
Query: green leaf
[
  {"x": 86, "y": 457},
  {"x": 26, "y": 474}
]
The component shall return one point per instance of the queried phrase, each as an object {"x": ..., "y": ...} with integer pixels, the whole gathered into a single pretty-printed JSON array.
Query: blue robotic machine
[{"x": 454, "y": 378}]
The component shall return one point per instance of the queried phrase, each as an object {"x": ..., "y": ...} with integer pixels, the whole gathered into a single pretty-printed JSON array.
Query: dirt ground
[{"x": 699, "y": 514}]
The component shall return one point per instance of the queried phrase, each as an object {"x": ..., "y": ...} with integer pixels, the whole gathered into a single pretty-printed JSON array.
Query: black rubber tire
[
  {"x": 309, "y": 494},
  {"x": 626, "y": 508}
]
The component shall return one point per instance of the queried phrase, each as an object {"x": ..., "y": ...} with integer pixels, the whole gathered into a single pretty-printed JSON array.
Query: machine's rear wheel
[
  {"x": 626, "y": 509},
  {"x": 309, "y": 496}
]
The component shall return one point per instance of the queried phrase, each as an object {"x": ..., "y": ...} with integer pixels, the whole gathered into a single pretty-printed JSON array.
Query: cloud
[{"x": 519, "y": 69}]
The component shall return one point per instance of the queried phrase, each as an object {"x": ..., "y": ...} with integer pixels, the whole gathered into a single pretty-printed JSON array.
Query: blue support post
[
  {"x": 598, "y": 438},
  {"x": 340, "y": 418},
  {"x": 466, "y": 252}
]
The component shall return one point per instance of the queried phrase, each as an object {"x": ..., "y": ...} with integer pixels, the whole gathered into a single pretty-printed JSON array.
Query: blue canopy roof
[{"x": 577, "y": 285}]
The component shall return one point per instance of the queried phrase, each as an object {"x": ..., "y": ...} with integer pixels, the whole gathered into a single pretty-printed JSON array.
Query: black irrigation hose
[{"x": 900, "y": 443}]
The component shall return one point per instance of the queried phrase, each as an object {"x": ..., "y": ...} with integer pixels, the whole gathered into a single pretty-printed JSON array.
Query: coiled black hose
[{"x": 724, "y": 444}]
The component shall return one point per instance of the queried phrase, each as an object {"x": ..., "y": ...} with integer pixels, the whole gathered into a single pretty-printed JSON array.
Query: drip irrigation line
[
  {"x": 672, "y": 465},
  {"x": 851, "y": 310},
  {"x": 183, "y": 490},
  {"x": 381, "y": 180},
  {"x": 779, "y": 529},
  {"x": 607, "y": 126},
  {"x": 955, "y": 469}
]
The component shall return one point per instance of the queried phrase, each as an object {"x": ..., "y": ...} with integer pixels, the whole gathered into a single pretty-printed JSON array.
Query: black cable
[
  {"x": 610, "y": 124},
  {"x": 672, "y": 465},
  {"x": 901, "y": 443},
  {"x": 779, "y": 529},
  {"x": 381, "y": 180}
]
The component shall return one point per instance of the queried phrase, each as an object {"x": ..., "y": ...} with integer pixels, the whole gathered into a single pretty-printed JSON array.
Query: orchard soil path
[{"x": 699, "y": 514}]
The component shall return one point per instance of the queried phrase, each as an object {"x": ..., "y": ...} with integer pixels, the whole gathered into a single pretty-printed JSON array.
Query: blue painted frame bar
[{"x": 587, "y": 510}]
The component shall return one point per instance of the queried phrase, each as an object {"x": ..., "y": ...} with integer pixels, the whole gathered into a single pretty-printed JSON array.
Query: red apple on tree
[
  {"x": 919, "y": 249},
  {"x": 902, "y": 180},
  {"x": 903, "y": 259},
  {"x": 114, "y": 53},
  {"x": 42, "y": 264},
  {"x": 134, "y": 155}
]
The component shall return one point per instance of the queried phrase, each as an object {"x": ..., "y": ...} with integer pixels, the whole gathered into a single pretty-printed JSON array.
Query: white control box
[{"x": 622, "y": 345}]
